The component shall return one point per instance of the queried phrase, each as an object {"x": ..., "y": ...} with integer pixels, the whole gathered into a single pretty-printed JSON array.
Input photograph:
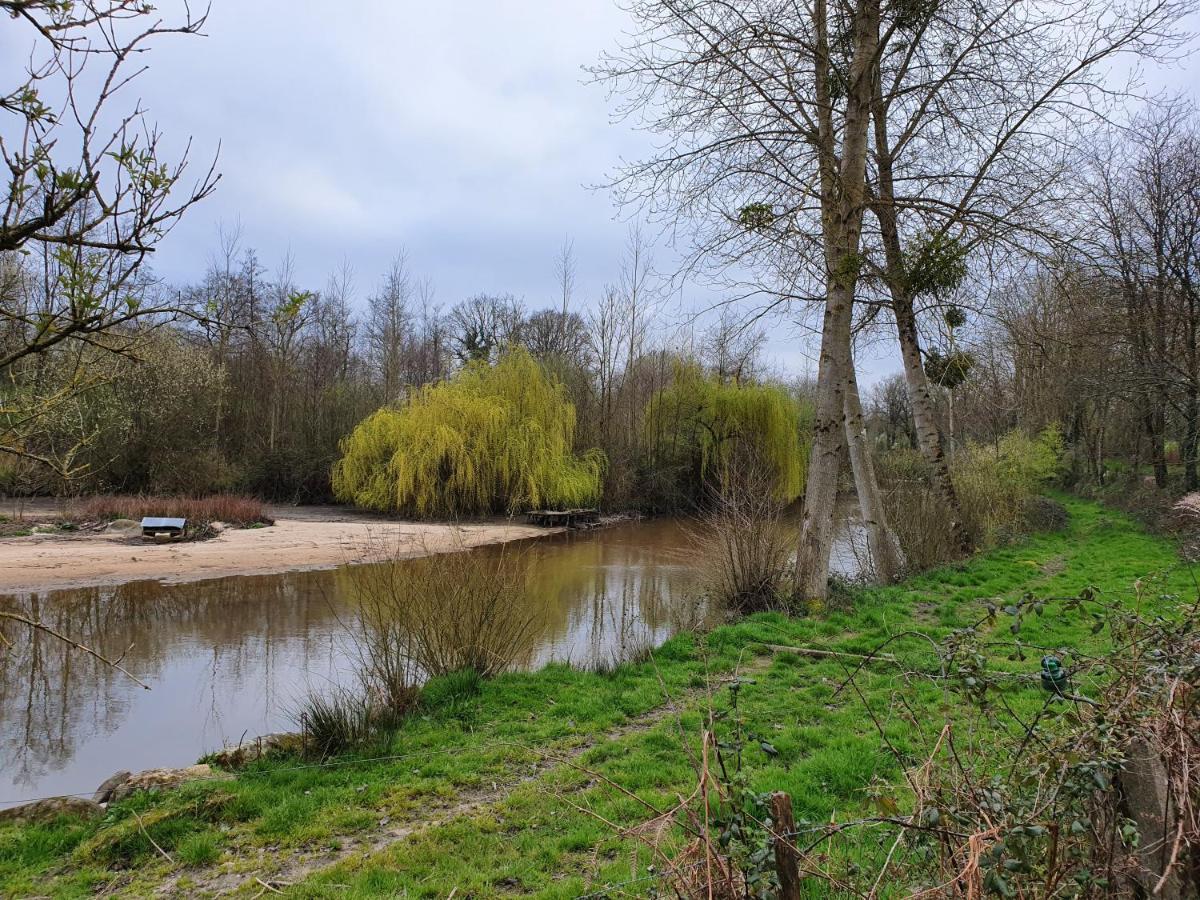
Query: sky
[{"x": 465, "y": 133}]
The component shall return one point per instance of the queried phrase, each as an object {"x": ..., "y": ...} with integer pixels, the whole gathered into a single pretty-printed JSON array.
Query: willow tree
[
  {"x": 492, "y": 439},
  {"x": 700, "y": 426}
]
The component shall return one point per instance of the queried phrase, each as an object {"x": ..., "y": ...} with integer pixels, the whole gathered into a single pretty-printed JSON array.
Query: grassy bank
[{"x": 485, "y": 790}]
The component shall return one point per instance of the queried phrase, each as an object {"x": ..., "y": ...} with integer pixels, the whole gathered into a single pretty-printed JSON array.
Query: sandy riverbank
[{"x": 302, "y": 538}]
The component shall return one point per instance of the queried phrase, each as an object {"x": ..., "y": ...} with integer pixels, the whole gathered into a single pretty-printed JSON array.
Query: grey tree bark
[
  {"x": 887, "y": 558},
  {"x": 843, "y": 192}
]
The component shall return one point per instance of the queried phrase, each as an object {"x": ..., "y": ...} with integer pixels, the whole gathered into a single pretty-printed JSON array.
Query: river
[{"x": 230, "y": 658}]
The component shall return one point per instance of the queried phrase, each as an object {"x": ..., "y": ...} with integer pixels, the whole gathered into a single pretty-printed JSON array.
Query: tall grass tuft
[
  {"x": 338, "y": 721},
  {"x": 448, "y": 692},
  {"x": 232, "y": 508}
]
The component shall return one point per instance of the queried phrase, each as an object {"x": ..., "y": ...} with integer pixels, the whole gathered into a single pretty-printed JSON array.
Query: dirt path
[
  {"x": 302, "y": 538},
  {"x": 235, "y": 876}
]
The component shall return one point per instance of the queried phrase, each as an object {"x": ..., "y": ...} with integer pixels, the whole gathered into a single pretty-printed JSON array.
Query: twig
[
  {"x": 813, "y": 651},
  {"x": 154, "y": 843},
  {"x": 270, "y": 886},
  {"x": 42, "y": 626}
]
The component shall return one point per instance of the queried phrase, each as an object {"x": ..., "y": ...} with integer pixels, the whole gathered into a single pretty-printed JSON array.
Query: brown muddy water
[{"x": 228, "y": 659}]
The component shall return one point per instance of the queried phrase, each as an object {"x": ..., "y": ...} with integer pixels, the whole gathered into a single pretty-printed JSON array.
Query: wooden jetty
[{"x": 563, "y": 518}]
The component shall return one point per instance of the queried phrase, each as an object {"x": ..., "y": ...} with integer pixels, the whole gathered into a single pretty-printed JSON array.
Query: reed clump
[{"x": 234, "y": 509}]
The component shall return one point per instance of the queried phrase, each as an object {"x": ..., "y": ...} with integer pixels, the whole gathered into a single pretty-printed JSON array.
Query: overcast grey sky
[{"x": 463, "y": 132}]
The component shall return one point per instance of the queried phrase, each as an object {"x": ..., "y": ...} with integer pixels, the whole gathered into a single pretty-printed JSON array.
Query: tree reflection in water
[{"x": 228, "y": 657}]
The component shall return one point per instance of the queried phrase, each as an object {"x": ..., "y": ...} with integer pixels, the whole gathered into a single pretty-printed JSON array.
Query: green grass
[{"x": 531, "y": 838}]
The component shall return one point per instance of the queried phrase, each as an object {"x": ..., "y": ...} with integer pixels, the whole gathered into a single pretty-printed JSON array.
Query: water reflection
[{"x": 228, "y": 657}]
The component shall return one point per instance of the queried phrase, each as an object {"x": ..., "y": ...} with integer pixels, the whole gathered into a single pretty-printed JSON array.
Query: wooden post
[{"x": 787, "y": 860}]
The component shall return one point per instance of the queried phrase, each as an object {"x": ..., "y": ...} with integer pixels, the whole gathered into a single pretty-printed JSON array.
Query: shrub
[
  {"x": 995, "y": 482},
  {"x": 1044, "y": 514},
  {"x": 916, "y": 515},
  {"x": 743, "y": 545},
  {"x": 493, "y": 439},
  {"x": 997, "y": 486},
  {"x": 443, "y": 613}
]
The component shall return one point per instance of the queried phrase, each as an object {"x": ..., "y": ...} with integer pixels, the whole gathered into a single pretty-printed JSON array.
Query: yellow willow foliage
[
  {"x": 702, "y": 423},
  {"x": 493, "y": 438}
]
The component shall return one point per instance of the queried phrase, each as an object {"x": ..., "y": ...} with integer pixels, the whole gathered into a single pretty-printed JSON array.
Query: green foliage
[
  {"x": 492, "y": 439},
  {"x": 998, "y": 487},
  {"x": 757, "y": 216},
  {"x": 948, "y": 369},
  {"x": 201, "y": 849},
  {"x": 700, "y": 426},
  {"x": 954, "y": 316},
  {"x": 446, "y": 692},
  {"x": 935, "y": 265},
  {"x": 995, "y": 483},
  {"x": 913, "y": 15}
]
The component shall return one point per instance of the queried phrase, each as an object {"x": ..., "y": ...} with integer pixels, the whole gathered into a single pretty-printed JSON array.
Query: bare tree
[
  {"x": 564, "y": 274},
  {"x": 88, "y": 189},
  {"x": 765, "y": 108},
  {"x": 388, "y": 328},
  {"x": 1147, "y": 195},
  {"x": 978, "y": 121},
  {"x": 733, "y": 347},
  {"x": 484, "y": 324}
]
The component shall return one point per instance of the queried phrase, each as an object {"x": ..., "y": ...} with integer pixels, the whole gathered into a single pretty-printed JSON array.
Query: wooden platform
[{"x": 563, "y": 518}]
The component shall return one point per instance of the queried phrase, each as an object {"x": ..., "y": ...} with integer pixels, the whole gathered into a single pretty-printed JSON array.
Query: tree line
[{"x": 251, "y": 382}]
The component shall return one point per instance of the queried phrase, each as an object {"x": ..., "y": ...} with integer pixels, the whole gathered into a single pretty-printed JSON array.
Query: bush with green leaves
[
  {"x": 995, "y": 482},
  {"x": 998, "y": 487}
]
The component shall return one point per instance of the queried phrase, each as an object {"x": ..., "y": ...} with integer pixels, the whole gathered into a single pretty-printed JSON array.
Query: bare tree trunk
[
  {"x": 843, "y": 191},
  {"x": 928, "y": 438},
  {"x": 1156, "y": 428},
  {"x": 887, "y": 559},
  {"x": 828, "y": 445}
]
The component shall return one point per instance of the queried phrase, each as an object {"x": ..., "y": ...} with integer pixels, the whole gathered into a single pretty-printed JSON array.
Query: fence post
[{"x": 787, "y": 860}]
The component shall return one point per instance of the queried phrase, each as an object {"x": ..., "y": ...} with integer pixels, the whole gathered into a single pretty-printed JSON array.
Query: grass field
[{"x": 507, "y": 789}]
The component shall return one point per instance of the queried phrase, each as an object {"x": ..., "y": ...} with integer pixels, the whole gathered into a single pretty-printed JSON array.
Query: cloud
[{"x": 462, "y": 130}]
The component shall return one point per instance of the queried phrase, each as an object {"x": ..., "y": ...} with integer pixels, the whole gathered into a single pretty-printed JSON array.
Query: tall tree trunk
[
  {"x": 1156, "y": 427},
  {"x": 887, "y": 559},
  {"x": 1191, "y": 438},
  {"x": 843, "y": 191},
  {"x": 928, "y": 438},
  {"x": 828, "y": 446}
]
